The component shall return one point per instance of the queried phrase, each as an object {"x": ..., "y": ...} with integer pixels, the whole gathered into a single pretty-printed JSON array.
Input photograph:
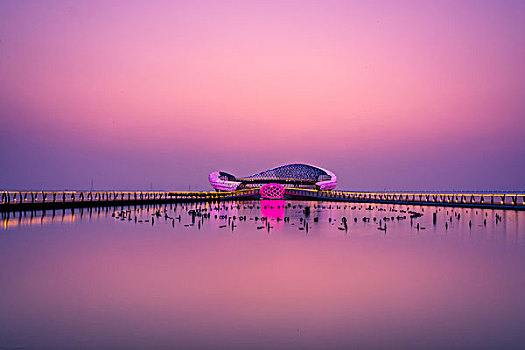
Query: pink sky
[{"x": 388, "y": 95}]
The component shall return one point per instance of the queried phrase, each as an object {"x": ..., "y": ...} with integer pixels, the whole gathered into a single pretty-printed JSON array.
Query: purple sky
[{"x": 404, "y": 95}]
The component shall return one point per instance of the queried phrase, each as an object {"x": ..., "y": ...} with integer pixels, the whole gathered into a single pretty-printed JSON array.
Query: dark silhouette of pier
[{"x": 43, "y": 200}]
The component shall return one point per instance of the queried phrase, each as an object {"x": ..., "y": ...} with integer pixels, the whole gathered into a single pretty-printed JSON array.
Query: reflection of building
[
  {"x": 272, "y": 209},
  {"x": 291, "y": 175}
]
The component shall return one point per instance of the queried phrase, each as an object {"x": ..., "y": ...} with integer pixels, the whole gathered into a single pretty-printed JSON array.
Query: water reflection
[
  {"x": 13, "y": 220},
  {"x": 327, "y": 218},
  {"x": 272, "y": 208},
  {"x": 202, "y": 275}
]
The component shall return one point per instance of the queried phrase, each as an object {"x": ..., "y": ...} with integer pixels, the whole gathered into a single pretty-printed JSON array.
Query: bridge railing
[
  {"x": 13, "y": 197},
  {"x": 492, "y": 199},
  {"x": 504, "y": 199}
]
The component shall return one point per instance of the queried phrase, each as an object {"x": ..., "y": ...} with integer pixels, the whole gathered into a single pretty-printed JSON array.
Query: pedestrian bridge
[{"x": 42, "y": 200}]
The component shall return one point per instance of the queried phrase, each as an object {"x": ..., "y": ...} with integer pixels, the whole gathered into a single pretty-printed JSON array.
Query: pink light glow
[
  {"x": 272, "y": 208},
  {"x": 272, "y": 191},
  {"x": 222, "y": 185}
]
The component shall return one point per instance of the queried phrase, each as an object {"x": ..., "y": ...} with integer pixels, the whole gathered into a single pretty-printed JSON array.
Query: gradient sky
[{"x": 394, "y": 95}]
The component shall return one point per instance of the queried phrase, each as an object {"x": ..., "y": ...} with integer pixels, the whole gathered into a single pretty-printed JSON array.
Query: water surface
[{"x": 192, "y": 276}]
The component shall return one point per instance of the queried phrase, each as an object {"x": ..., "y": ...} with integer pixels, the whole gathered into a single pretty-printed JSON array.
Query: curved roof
[{"x": 294, "y": 172}]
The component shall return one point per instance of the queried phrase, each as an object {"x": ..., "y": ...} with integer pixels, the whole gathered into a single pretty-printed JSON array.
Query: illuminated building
[{"x": 291, "y": 175}]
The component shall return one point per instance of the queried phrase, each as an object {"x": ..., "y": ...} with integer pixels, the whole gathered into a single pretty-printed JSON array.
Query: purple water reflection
[
  {"x": 272, "y": 208},
  {"x": 95, "y": 281}
]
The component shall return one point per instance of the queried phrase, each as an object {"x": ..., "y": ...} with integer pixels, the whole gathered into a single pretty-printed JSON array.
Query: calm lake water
[{"x": 192, "y": 276}]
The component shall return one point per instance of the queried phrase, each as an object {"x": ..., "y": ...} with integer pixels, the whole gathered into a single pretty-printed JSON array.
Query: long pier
[
  {"x": 44, "y": 200},
  {"x": 510, "y": 201}
]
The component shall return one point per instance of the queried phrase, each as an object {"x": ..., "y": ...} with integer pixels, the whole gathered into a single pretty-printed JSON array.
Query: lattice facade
[{"x": 272, "y": 191}]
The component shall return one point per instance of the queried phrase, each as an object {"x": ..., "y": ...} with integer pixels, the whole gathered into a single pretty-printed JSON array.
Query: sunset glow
[{"x": 390, "y": 95}]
